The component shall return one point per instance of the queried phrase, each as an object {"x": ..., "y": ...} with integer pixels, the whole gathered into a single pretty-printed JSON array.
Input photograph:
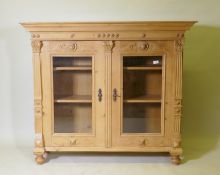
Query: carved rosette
[
  {"x": 178, "y": 93},
  {"x": 135, "y": 46},
  {"x": 69, "y": 46},
  {"x": 140, "y": 46},
  {"x": 36, "y": 46}
]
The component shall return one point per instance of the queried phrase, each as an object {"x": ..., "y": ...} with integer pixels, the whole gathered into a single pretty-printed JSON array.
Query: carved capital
[
  {"x": 108, "y": 46},
  {"x": 179, "y": 45},
  {"x": 36, "y": 46}
]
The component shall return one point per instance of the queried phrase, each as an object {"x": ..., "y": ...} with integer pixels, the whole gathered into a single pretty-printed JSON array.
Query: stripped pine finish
[{"x": 108, "y": 86}]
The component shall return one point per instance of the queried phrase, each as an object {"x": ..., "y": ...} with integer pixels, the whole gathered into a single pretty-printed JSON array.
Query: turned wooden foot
[
  {"x": 175, "y": 159},
  {"x": 40, "y": 159}
]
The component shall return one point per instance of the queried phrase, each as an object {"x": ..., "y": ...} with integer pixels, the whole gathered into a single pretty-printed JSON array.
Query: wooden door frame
[
  {"x": 48, "y": 100},
  {"x": 164, "y": 53}
]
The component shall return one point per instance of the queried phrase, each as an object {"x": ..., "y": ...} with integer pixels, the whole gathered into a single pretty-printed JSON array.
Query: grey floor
[{"x": 19, "y": 160}]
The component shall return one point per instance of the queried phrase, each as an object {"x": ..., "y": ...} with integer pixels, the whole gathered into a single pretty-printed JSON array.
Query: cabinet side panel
[{"x": 47, "y": 97}]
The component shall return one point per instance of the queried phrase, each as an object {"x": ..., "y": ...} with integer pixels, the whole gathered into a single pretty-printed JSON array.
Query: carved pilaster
[
  {"x": 178, "y": 93},
  {"x": 108, "y": 47},
  {"x": 38, "y": 107}
]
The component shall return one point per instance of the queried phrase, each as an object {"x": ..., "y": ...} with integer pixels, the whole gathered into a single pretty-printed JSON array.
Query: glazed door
[
  {"x": 73, "y": 88},
  {"x": 140, "y": 94}
]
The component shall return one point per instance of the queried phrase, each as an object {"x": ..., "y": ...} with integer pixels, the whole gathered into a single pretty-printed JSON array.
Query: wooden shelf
[
  {"x": 74, "y": 99},
  {"x": 143, "y": 99},
  {"x": 143, "y": 68},
  {"x": 73, "y": 68}
]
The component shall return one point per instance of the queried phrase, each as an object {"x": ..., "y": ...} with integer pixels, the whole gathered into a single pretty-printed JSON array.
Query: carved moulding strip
[
  {"x": 69, "y": 46},
  {"x": 35, "y": 35},
  {"x": 108, "y": 35}
]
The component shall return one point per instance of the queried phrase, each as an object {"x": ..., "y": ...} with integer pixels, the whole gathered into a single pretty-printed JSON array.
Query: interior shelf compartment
[
  {"x": 142, "y": 86},
  {"x": 72, "y": 86},
  {"x": 142, "y": 61}
]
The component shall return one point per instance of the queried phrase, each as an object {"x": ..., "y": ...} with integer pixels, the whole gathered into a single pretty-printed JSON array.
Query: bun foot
[
  {"x": 175, "y": 160},
  {"x": 40, "y": 159}
]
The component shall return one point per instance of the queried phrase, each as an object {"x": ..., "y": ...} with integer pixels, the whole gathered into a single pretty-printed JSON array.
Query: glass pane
[
  {"x": 141, "y": 61},
  {"x": 73, "y": 118},
  {"x": 72, "y": 80},
  {"x": 141, "y": 118},
  {"x": 142, "y": 92},
  {"x": 72, "y": 61},
  {"x": 72, "y": 84},
  {"x": 142, "y": 84}
]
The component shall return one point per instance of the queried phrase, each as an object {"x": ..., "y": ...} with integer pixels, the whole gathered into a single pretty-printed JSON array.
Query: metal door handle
[
  {"x": 115, "y": 95},
  {"x": 100, "y": 95}
]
